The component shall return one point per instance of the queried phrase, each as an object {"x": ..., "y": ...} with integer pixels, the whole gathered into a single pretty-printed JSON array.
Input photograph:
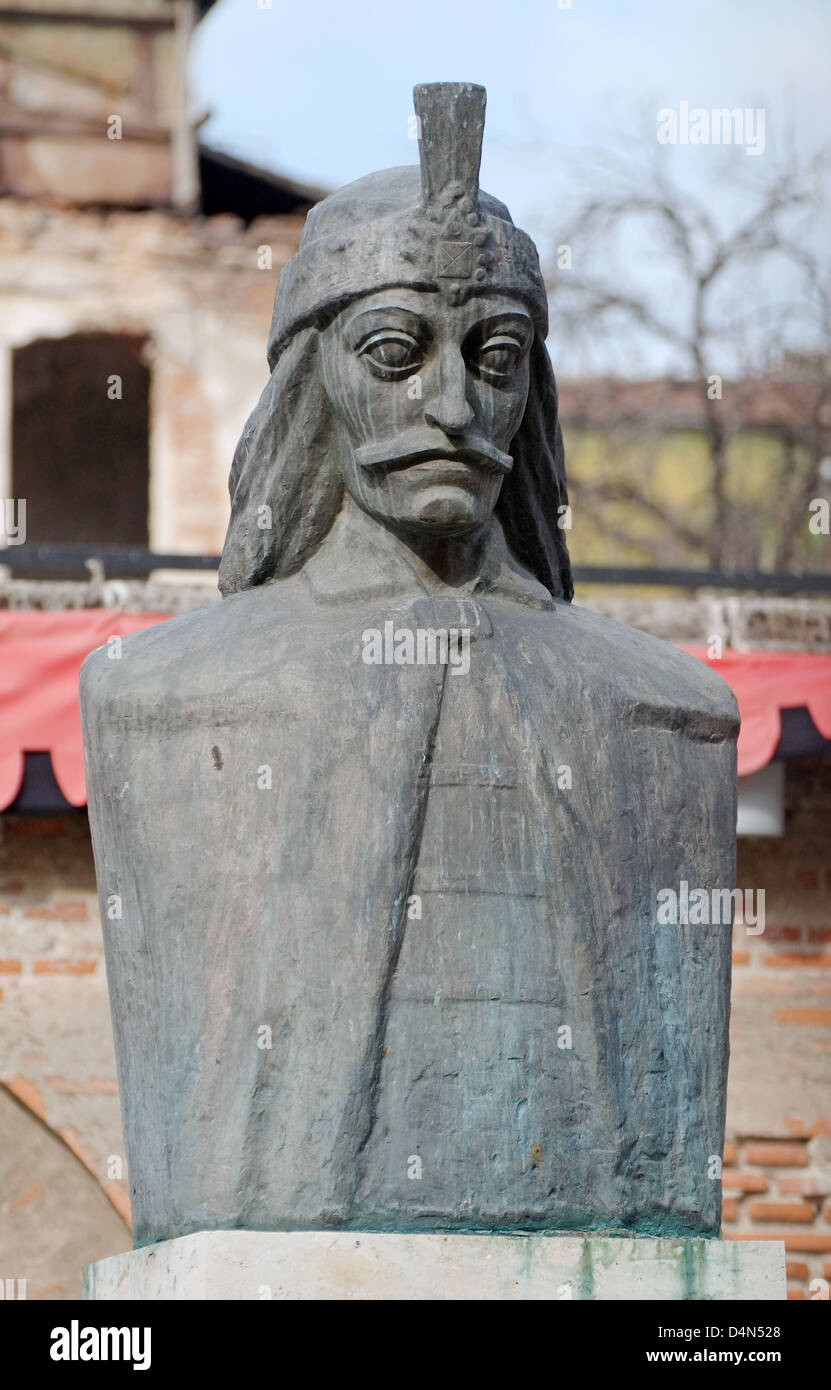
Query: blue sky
[{"x": 321, "y": 90}]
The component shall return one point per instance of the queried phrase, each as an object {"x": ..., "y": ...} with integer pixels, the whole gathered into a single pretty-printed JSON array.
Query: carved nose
[{"x": 450, "y": 411}]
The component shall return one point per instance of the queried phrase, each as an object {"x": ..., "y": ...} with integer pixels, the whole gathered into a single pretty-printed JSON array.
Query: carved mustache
[{"x": 418, "y": 445}]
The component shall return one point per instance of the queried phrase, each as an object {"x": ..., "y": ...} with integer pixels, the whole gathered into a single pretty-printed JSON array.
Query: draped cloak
[{"x": 383, "y": 941}]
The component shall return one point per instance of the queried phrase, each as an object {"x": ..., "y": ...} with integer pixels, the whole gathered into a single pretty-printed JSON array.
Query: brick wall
[
  {"x": 57, "y": 1050},
  {"x": 60, "y": 1203},
  {"x": 777, "y": 1171}
]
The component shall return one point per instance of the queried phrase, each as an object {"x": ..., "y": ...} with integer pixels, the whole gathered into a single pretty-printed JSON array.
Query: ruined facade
[{"x": 132, "y": 322}]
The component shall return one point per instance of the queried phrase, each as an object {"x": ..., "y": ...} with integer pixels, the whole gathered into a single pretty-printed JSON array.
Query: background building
[{"x": 137, "y": 270}]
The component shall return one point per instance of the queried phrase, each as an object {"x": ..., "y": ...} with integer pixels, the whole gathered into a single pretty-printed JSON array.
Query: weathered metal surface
[{"x": 383, "y": 934}]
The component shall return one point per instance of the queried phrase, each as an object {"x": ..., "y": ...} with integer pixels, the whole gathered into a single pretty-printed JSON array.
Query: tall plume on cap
[
  {"x": 451, "y": 124},
  {"x": 457, "y": 245}
]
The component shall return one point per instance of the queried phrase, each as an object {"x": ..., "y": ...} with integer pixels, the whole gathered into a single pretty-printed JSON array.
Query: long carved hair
[{"x": 286, "y": 484}]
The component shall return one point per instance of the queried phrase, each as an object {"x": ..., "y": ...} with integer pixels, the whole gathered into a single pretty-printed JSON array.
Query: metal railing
[{"x": 68, "y": 561}]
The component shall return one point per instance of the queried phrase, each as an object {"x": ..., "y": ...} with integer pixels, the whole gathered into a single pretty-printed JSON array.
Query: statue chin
[
  {"x": 446, "y": 511},
  {"x": 432, "y": 506},
  {"x": 437, "y": 512}
]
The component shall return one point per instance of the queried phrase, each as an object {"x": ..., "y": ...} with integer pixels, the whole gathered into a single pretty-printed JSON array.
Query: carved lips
[{"x": 421, "y": 444}]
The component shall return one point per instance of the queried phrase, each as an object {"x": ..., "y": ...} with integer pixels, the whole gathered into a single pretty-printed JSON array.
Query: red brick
[
  {"x": 796, "y": 1269},
  {"x": 806, "y": 1242},
  {"x": 809, "y": 878},
  {"x": 10, "y": 967},
  {"x": 808, "y": 1186},
  {"x": 4, "y": 910},
  {"x": 819, "y": 935},
  {"x": 800, "y": 1130},
  {"x": 729, "y": 1209},
  {"x": 794, "y": 1295},
  {"x": 813, "y": 1017},
  {"x": 741, "y": 957},
  {"x": 789, "y": 934},
  {"x": 793, "y": 960},
  {"x": 826, "y": 1269},
  {"x": 782, "y": 1211},
  {"x": 802, "y": 1242},
  {"x": 753, "y": 1235},
  {"x": 776, "y": 1155},
  {"x": 745, "y": 1182},
  {"x": 72, "y": 911},
  {"x": 63, "y": 967},
  {"x": 11, "y": 885},
  {"x": 731, "y": 1152}
]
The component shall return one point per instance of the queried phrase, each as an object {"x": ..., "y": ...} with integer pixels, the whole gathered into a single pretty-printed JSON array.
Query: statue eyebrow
[
  {"x": 492, "y": 322},
  {"x": 378, "y": 317},
  {"x": 504, "y": 322}
]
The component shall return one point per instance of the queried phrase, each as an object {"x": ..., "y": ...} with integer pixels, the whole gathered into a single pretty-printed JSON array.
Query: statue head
[{"x": 408, "y": 369}]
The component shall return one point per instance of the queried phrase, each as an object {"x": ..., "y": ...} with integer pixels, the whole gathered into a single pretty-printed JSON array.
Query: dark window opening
[{"x": 80, "y": 439}]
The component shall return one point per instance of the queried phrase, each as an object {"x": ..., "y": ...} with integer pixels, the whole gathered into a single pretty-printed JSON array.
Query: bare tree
[{"x": 722, "y": 306}]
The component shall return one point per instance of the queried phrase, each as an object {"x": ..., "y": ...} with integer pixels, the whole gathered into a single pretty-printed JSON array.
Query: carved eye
[
  {"x": 391, "y": 353},
  {"x": 500, "y": 355}
]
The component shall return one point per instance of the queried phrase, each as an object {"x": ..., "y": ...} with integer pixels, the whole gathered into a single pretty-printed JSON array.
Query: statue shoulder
[
  {"x": 648, "y": 671},
  {"x": 187, "y": 657}
]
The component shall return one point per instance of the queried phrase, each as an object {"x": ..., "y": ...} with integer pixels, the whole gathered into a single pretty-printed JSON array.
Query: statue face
[{"x": 429, "y": 396}]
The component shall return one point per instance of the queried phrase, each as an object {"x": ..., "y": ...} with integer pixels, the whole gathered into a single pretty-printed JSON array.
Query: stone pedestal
[{"x": 356, "y": 1265}]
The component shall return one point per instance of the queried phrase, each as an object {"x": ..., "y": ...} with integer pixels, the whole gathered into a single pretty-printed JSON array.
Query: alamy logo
[
  {"x": 722, "y": 125},
  {"x": 421, "y": 646},
  {"x": 698, "y": 907},
  {"x": 13, "y": 521},
  {"x": 76, "y": 1343}
]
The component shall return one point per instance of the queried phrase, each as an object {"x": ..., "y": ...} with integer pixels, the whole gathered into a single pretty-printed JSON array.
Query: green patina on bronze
[{"x": 376, "y": 911}]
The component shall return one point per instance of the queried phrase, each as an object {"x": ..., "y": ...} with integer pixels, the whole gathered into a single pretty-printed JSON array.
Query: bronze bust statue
[{"x": 383, "y": 940}]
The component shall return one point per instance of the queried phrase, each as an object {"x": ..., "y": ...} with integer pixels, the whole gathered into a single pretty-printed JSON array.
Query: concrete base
[{"x": 318, "y": 1265}]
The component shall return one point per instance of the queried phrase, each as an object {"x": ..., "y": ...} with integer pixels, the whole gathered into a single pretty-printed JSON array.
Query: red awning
[
  {"x": 764, "y": 683},
  {"x": 41, "y": 654},
  {"x": 40, "y": 657}
]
